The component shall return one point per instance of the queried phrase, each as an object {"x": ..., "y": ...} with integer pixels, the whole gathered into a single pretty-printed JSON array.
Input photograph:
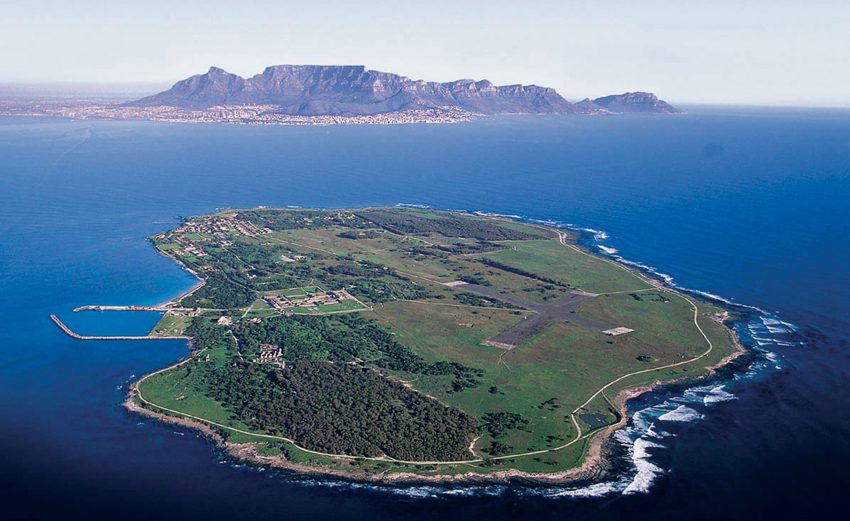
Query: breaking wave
[
  {"x": 642, "y": 439},
  {"x": 682, "y": 413}
]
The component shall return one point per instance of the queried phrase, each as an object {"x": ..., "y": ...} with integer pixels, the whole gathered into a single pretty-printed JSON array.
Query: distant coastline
[
  {"x": 302, "y": 95},
  {"x": 257, "y": 115}
]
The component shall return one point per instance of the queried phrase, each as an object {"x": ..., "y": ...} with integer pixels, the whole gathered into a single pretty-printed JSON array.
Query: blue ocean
[{"x": 747, "y": 205}]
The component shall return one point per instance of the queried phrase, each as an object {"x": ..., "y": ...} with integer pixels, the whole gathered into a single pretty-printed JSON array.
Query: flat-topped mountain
[{"x": 353, "y": 90}]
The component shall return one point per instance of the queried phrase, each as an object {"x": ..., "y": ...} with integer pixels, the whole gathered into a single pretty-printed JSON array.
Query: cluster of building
[
  {"x": 271, "y": 354},
  {"x": 220, "y": 226},
  {"x": 186, "y": 246},
  {"x": 233, "y": 114},
  {"x": 294, "y": 258},
  {"x": 281, "y": 302}
]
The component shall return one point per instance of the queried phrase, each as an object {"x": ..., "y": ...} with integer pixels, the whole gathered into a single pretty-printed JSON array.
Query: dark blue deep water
[{"x": 752, "y": 205}]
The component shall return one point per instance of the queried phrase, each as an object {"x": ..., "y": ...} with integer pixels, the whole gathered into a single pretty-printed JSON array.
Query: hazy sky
[{"x": 745, "y": 51}]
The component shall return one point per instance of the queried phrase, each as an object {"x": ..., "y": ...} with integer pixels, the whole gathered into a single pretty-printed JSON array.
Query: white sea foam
[
  {"x": 712, "y": 296},
  {"x": 651, "y": 432},
  {"x": 494, "y": 214},
  {"x": 717, "y": 395},
  {"x": 666, "y": 278},
  {"x": 606, "y": 249},
  {"x": 595, "y": 490},
  {"x": 414, "y": 491},
  {"x": 682, "y": 413},
  {"x": 598, "y": 235},
  {"x": 646, "y": 470},
  {"x": 775, "y": 325}
]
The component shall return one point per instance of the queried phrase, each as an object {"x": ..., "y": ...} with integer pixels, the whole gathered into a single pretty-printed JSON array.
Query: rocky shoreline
[{"x": 594, "y": 466}]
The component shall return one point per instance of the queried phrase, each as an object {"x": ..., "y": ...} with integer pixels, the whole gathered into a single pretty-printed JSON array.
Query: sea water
[{"x": 746, "y": 205}]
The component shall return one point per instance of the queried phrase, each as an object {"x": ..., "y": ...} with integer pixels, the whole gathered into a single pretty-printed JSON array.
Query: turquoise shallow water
[{"x": 748, "y": 204}]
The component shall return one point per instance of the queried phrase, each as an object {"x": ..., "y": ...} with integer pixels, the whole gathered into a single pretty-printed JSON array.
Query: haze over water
[{"x": 748, "y": 204}]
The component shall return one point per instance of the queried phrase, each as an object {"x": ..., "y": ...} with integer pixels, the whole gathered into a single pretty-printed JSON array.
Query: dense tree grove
[
  {"x": 276, "y": 219},
  {"x": 207, "y": 334},
  {"x": 330, "y": 396},
  {"x": 220, "y": 292},
  {"x": 361, "y": 234},
  {"x": 341, "y": 408},
  {"x": 447, "y": 225},
  {"x": 465, "y": 249},
  {"x": 519, "y": 271},
  {"x": 475, "y": 300},
  {"x": 346, "y": 338}
]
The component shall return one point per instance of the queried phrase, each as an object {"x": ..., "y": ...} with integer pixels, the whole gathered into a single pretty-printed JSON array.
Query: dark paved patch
[
  {"x": 562, "y": 310},
  {"x": 486, "y": 291}
]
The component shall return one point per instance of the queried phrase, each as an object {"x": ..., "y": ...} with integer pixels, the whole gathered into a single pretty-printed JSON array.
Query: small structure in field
[
  {"x": 617, "y": 331},
  {"x": 454, "y": 283}
]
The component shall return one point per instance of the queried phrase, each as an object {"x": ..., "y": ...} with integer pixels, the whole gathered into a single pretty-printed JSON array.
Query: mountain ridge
[{"x": 353, "y": 90}]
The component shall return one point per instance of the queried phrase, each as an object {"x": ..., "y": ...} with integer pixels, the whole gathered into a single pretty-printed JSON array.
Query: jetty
[
  {"x": 129, "y": 308},
  {"x": 68, "y": 331}
]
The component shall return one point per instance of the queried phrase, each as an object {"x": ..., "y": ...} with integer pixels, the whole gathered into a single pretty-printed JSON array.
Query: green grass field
[{"x": 171, "y": 324}]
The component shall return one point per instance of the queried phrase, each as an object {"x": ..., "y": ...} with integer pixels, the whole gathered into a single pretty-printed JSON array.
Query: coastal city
[{"x": 229, "y": 114}]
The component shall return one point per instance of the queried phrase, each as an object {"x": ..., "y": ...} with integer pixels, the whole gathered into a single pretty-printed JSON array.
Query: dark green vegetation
[
  {"x": 409, "y": 223},
  {"x": 407, "y": 364},
  {"x": 349, "y": 339},
  {"x": 340, "y": 408},
  {"x": 519, "y": 271},
  {"x": 220, "y": 292},
  {"x": 498, "y": 425}
]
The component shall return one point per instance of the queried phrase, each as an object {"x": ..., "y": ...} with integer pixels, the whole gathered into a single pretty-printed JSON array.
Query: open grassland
[
  {"x": 567, "y": 265},
  {"x": 171, "y": 324}
]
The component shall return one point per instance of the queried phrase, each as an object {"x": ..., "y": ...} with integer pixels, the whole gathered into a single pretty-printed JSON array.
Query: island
[
  {"x": 409, "y": 344},
  {"x": 333, "y": 95}
]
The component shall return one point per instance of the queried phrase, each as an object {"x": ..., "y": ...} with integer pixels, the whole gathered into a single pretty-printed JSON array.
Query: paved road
[{"x": 563, "y": 310}]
